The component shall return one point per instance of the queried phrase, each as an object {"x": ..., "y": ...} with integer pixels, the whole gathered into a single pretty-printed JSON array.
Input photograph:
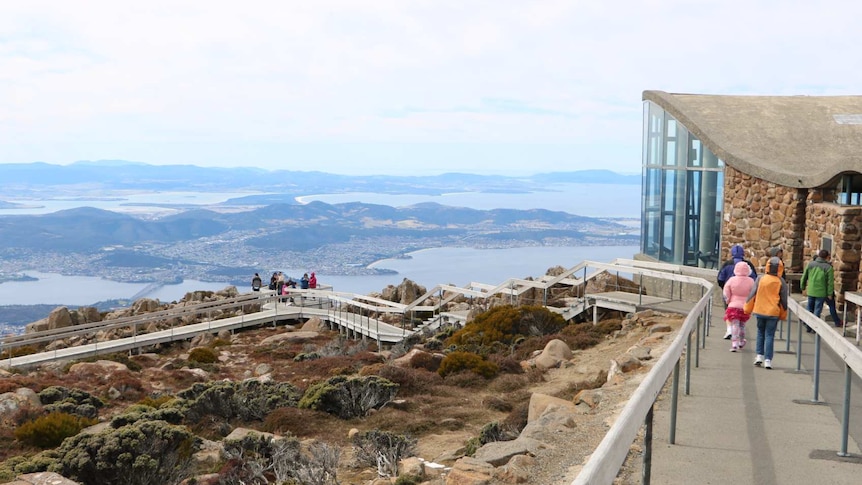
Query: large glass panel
[
  {"x": 709, "y": 158},
  {"x": 695, "y": 152},
  {"x": 681, "y": 194}
]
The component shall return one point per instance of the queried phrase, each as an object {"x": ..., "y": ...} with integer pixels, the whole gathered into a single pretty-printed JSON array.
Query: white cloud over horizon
[{"x": 392, "y": 86}]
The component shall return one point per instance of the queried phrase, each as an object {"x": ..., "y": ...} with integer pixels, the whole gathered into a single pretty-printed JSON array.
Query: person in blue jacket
[{"x": 737, "y": 254}]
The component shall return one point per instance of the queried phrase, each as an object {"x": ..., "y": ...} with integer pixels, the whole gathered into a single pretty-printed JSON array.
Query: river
[{"x": 427, "y": 267}]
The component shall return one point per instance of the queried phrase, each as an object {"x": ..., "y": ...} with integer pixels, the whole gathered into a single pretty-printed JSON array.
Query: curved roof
[{"x": 795, "y": 141}]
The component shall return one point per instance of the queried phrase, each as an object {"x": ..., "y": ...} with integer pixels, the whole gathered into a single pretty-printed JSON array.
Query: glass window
[{"x": 682, "y": 193}]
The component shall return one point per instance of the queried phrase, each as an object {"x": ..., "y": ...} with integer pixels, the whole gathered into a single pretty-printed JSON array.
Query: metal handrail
[{"x": 605, "y": 462}]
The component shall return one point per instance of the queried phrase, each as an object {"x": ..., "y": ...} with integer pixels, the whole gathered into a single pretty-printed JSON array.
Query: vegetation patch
[
  {"x": 349, "y": 397},
  {"x": 50, "y": 430}
]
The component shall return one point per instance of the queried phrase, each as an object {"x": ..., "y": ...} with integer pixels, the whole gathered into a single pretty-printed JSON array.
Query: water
[
  {"x": 593, "y": 200},
  {"x": 428, "y": 268},
  {"x": 144, "y": 202}
]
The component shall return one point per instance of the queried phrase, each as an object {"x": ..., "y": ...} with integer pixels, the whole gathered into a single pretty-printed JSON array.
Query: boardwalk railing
[{"x": 605, "y": 462}]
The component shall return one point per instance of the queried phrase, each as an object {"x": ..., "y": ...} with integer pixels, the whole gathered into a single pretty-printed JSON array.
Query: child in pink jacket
[{"x": 736, "y": 291}]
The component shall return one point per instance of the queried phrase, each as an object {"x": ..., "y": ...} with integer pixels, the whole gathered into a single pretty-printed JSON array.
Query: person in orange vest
[{"x": 768, "y": 303}]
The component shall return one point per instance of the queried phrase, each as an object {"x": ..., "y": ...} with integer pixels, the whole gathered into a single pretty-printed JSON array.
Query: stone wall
[
  {"x": 843, "y": 223},
  {"x": 759, "y": 215}
]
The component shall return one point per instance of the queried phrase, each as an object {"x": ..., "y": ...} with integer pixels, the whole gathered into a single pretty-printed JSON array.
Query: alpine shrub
[{"x": 50, "y": 430}]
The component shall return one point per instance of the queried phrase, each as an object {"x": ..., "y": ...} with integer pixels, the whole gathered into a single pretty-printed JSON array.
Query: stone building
[{"x": 760, "y": 171}]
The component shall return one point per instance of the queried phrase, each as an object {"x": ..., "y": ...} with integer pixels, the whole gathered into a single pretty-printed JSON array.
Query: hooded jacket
[
  {"x": 738, "y": 287},
  {"x": 818, "y": 279},
  {"x": 737, "y": 254},
  {"x": 768, "y": 297}
]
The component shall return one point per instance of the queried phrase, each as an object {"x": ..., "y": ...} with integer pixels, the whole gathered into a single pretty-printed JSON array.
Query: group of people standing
[
  {"x": 765, "y": 297},
  {"x": 281, "y": 284}
]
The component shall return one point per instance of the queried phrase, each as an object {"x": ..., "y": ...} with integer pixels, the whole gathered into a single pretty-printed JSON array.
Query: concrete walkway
[{"x": 743, "y": 424}]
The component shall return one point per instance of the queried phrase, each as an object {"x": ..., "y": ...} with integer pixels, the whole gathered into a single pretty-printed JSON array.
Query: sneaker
[
  {"x": 742, "y": 344},
  {"x": 767, "y": 364},
  {"x": 758, "y": 360},
  {"x": 727, "y": 336},
  {"x": 733, "y": 349}
]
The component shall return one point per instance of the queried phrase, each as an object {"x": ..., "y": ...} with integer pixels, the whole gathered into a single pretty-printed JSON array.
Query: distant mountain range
[
  {"x": 225, "y": 241},
  {"x": 305, "y": 226},
  {"x": 31, "y": 178}
]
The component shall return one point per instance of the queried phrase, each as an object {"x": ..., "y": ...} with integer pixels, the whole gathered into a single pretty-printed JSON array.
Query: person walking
[
  {"x": 737, "y": 255},
  {"x": 818, "y": 283},
  {"x": 736, "y": 292},
  {"x": 768, "y": 303},
  {"x": 778, "y": 252},
  {"x": 256, "y": 282}
]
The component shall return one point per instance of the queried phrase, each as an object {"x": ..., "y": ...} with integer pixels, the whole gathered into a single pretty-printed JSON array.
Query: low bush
[
  {"x": 203, "y": 355},
  {"x": 508, "y": 383},
  {"x": 249, "y": 400},
  {"x": 157, "y": 401},
  {"x": 383, "y": 450},
  {"x": 71, "y": 401},
  {"x": 503, "y": 325},
  {"x": 50, "y": 430},
  {"x": 142, "y": 453},
  {"x": 459, "y": 361},
  {"x": 409, "y": 380},
  {"x": 349, "y": 397},
  {"x": 465, "y": 379}
]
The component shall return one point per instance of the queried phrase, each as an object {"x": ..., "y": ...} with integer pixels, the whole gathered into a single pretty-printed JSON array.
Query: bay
[
  {"x": 427, "y": 267},
  {"x": 592, "y": 200}
]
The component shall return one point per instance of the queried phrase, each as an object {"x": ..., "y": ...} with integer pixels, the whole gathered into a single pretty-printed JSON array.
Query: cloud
[{"x": 164, "y": 74}]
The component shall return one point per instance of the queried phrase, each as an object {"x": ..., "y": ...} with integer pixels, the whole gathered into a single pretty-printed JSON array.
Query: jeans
[
  {"x": 815, "y": 305},
  {"x": 766, "y": 336}
]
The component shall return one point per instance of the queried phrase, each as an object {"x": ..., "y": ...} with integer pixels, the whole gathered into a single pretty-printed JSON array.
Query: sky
[{"x": 395, "y": 87}]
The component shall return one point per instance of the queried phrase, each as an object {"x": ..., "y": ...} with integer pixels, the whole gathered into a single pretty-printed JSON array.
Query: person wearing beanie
[
  {"x": 778, "y": 252},
  {"x": 818, "y": 283},
  {"x": 736, "y": 293},
  {"x": 768, "y": 303},
  {"x": 737, "y": 255}
]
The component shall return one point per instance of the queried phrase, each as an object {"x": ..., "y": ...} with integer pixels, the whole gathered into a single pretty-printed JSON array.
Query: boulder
[
  {"x": 12, "y": 402},
  {"x": 499, "y": 453},
  {"x": 240, "y": 433},
  {"x": 59, "y": 318},
  {"x": 555, "y": 352},
  {"x": 314, "y": 324},
  {"x": 145, "y": 305},
  {"x": 101, "y": 368},
  {"x": 539, "y": 403},
  {"x": 299, "y": 336},
  {"x": 470, "y": 471},
  {"x": 419, "y": 359},
  {"x": 45, "y": 478}
]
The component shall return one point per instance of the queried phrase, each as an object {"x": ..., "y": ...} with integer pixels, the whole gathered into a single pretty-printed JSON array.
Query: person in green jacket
[{"x": 818, "y": 282}]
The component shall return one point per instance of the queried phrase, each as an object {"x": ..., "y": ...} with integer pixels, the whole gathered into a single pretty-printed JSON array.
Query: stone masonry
[{"x": 759, "y": 215}]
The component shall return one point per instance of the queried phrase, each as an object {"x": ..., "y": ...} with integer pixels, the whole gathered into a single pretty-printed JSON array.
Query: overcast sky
[{"x": 393, "y": 86}]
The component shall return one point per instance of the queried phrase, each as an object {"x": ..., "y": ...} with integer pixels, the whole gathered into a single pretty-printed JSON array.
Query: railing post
[
  {"x": 845, "y": 415},
  {"x": 640, "y": 286},
  {"x": 799, "y": 346},
  {"x": 814, "y": 398},
  {"x": 697, "y": 341},
  {"x": 789, "y": 326},
  {"x": 674, "y": 397},
  {"x": 688, "y": 364},
  {"x": 647, "y": 460}
]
